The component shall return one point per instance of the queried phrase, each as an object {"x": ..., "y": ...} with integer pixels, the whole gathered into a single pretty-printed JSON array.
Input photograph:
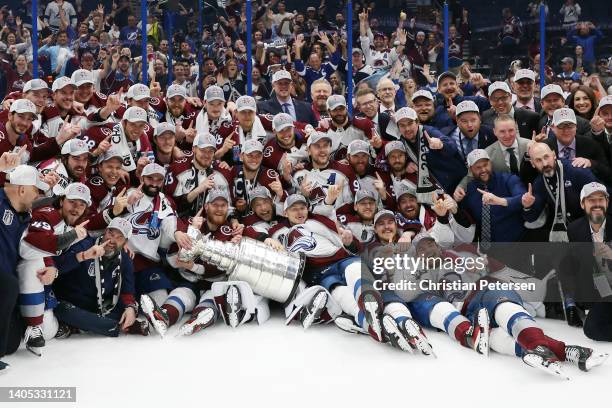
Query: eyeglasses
[{"x": 371, "y": 102}]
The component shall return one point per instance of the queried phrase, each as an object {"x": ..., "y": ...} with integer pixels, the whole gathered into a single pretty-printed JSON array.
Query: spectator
[
  {"x": 316, "y": 68},
  {"x": 583, "y": 101},
  {"x": 16, "y": 74},
  {"x": 567, "y": 70},
  {"x": 53, "y": 11},
  {"x": 231, "y": 81},
  {"x": 511, "y": 32},
  {"x": 129, "y": 35},
  {"x": 570, "y": 13},
  {"x": 587, "y": 36}
]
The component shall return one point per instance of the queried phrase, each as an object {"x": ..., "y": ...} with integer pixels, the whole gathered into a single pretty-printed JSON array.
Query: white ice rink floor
[{"x": 278, "y": 366}]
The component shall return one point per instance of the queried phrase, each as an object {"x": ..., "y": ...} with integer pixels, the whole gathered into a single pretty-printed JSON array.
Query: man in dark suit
[
  {"x": 551, "y": 98},
  {"x": 282, "y": 101},
  {"x": 585, "y": 274},
  {"x": 601, "y": 126},
  {"x": 501, "y": 103},
  {"x": 524, "y": 81}
]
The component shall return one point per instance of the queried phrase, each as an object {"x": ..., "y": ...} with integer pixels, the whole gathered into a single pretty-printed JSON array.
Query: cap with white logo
[
  {"x": 393, "y": 146},
  {"x": 551, "y": 89},
  {"x": 335, "y": 101},
  {"x": 153, "y": 168},
  {"x": 122, "y": 225},
  {"x": 316, "y": 136},
  {"x": 563, "y": 115},
  {"x": 466, "y": 106},
  {"x": 422, "y": 93},
  {"x": 111, "y": 153},
  {"x": 216, "y": 193},
  {"x": 246, "y": 102},
  {"x": 524, "y": 74},
  {"x": 404, "y": 188},
  {"x": 383, "y": 214},
  {"x": 498, "y": 86},
  {"x": 405, "y": 113},
  {"x": 78, "y": 191},
  {"x": 259, "y": 192},
  {"x": 135, "y": 114},
  {"x": 164, "y": 127},
  {"x": 420, "y": 237},
  {"x": 605, "y": 101},
  {"x": 252, "y": 145},
  {"x": 138, "y": 92},
  {"x": 24, "y": 175},
  {"x": 294, "y": 199},
  {"x": 35, "y": 85},
  {"x": 593, "y": 187},
  {"x": 281, "y": 121},
  {"x": 61, "y": 83},
  {"x": 475, "y": 155},
  {"x": 214, "y": 93},
  {"x": 82, "y": 77},
  {"x": 363, "y": 193},
  {"x": 280, "y": 75},
  {"x": 358, "y": 146},
  {"x": 203, "y": 140},
  {"x": 23, "y": 106},
  {"x": 75, "y": 147},
  {"x": 176, "y": 90}
]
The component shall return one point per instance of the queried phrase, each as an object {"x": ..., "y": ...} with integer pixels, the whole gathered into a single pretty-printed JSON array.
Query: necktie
[
  {"x": 514, "y": 169},
  {"x": 485, "y": 227},
  {"x": 567, "y": 152},
  {"x": 287, "y": 110}
]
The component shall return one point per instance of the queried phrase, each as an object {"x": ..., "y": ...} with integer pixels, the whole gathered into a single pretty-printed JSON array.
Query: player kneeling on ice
[
  {"x": 95, "y": 288},
  {"x": 514, "y": 331}
]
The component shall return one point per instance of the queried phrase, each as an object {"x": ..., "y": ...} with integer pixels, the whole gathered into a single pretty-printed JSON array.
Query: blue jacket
[
  {"x": 77, "y": 283},
  {"x": 588, "y": 43},
  {"x": 441, "y": 117},
  {"x": 575, "y": 179},
  {"x": 486, "y": 138},
  {"x": 310, "y": 75},
  {"x": 506, "y": 222},
  {"x": 12, "y": 226}
]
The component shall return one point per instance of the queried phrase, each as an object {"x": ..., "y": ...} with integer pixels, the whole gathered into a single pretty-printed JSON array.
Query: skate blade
[
  {"x": 483, "y": 339},
  {"x": 371, "y": 313},
  {"x": 395, "y": 335},
  {"x": 232, "y": 300},
  {"x": 203, "y": 319},
  {"x": 147, "y": 308},
  {"x": 535, "y": 361},
  {"x": 318, "y": 305},
  {"x": 347, "y": 325},
  {"x": 37, "y": 351},
  {"x": 596, "y": 360},
  {"x": 420, "y": 342}
]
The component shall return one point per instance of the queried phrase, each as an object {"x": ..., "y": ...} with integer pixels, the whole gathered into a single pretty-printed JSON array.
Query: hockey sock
[
  {"x": 398, "y": 311},
  {"x": 159, "y": 296},
  {"x": 206, "y": 303},
  {"x": 503, "y": 343},
  {"x": 445, "y": 316},
  {"x": 344, "y": 297},
  {"x": 179, "y": 301},
  {"x": 520, "y": 325}
]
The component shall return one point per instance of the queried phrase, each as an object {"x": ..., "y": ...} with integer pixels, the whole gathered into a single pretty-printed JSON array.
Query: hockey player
[
  {"x": 163, "y": 144},
  {"x": 95, "y": 289},
  {"x": 88, "y": 101},
  {"x": 53, "y": 230},
  {"x": 285, "y": 153},
  {"x": 213, "y": 115},
  {"x": 175, "y": 110},
  {"x": 54, "y": 116},
  {"x": 360, "y": 223},
  {"x": 395, "y": 164},
  {"x": 72, "y": 166}
]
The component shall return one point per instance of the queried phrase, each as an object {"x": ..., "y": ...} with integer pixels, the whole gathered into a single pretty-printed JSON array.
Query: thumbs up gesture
[
  {"x": 528, "y": 198},
  {"x": 433, "y": 142}
]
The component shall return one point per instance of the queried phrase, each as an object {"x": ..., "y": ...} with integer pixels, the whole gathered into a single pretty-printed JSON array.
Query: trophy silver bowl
[{"x": 271, "y": 274}]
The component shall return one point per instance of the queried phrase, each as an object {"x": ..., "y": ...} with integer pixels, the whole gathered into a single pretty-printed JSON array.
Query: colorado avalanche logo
[
  {"x": 140, "y": 226},
  {"x": 299, "y": 239},
  {"x": 267, "y": 151},
  {"x": 96, "y": 181}
]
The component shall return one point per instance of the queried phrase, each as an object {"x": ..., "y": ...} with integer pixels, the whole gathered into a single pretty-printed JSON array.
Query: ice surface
[{"x": 284, "y": 366}]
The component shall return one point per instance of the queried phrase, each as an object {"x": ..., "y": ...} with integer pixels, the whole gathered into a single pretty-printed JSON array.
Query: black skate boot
[
  {"x": 477, "y": 337},
  {"x": 544, "y": 359},
  {"x": 583, "y": 357},
  {"x": 34, "y": 340},
  {"x": 312, "y": 312}
]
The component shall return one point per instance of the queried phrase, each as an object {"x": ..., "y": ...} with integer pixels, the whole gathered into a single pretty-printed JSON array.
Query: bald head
[{"x": 543, "y": 158}]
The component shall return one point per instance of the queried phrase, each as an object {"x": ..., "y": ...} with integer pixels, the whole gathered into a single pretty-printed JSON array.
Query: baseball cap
[
  {"x": 363, "y": 193},
  {"x": 475, "y": 155},
  {"x": 316, "y": 136},
  {"x": 335, "y": 101},
  {"x": 252, "y": 145},
  {"x": 420, "y": 237},
  {"x": 605, "y": 101},
  {"x": 311, "y": 8},
  {"x": 422, "y": 93},
  {"x": 404, "y": 188},
  {"x": 498, "y": 86},
  {"x": 213, "y": 93},
  {"x": 357, "y": 51},
  {"x": 122, "y": 225},
  {"x": 23, "y": 106},
  {"x": 138, "y": 92},
  {"x": 176, "y": 90},
  {"x": 153, "y": 168},
  {"x": 81, "y": 77},
  {"x": 524, "y": 74},
  {"x": 446, "y": 74},
  {"x": 564, "y": 115},
  {"x": 78, "y": 191},
  {"x": 259, "y": 192},
  {"x": 61, "y": 82},
  {"x": 111, "y": 153},
  {"x": 394, "y": 145},
  {"x": 216, "y": 193},
  {"x": 24, "y": 175},
  {"x": 124, "y": 56},
  {"x": 405, "y": 113},
  {"x": 35, "y": 85},
  {"x": 203, "y": 140},
  {"x": 383, "y": 214},
  {"x": 592, "y": 187},
  {"x": 164, "y": 127},
  {"x": 294, "y": 199},
  {"x": 550, "y": 89},
  {"x": 281, "y": 74},
  {"x": 135, "y": 114},
  {"x": 466, "y": 106},
  {"x": 281, "y": 121},
  {"x": 567, "y": 60},
  {"x": 75, "y": 147},
  {"x": 358, "y": 146},
  {"x": 246, "y": 102}
]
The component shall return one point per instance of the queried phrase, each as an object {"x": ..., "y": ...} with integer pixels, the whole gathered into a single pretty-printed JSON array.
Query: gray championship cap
[
  {"x": 78, "y": 191},
  {"x": 294, "y": 199},
  {"x": 122, "y": 225}
]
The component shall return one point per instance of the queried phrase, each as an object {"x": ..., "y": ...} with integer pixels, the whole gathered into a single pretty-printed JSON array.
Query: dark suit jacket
[
  {"x": 583, "y": 126},
  {"x": 527, "y": 121},
  {"x": 303, "y": 110},
  {"x": 536, "y": 105},
  {"x": 589, "y": 149}
]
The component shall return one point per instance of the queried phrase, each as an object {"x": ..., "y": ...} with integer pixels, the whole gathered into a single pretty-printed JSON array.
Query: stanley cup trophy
[{"x": 270, "y": 274}]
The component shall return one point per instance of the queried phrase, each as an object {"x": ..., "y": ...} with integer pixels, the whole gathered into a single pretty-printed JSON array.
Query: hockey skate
[
  {"x": 477, "y": 337},
  {"x": 203, "y": 319},
  {"x": 63, "y": 331},
  {"x": 312, "y": 312},
  {"x": 140, "y": 326},
  {"x": 544, "y": 359},
  {"x": 584, "y": 358},
  {"x": 371, "y": 304},
  {"x": 34, "y": 340},
  {"x": 4, "y": 367},
  {"x": 347, "y": 323},
  {"x": 413, "y": 332},
  {"x": 233, "y": 306},
  {"x": 155, "y": 314},
  {"x": 394, "y": 335}
]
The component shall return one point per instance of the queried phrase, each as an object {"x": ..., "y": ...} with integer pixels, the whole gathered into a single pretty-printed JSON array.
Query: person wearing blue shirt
[
  {"x": 448, "y": 97},
  {"x": 316, "y": 68},
  {"x": 586, "y": 35}
]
